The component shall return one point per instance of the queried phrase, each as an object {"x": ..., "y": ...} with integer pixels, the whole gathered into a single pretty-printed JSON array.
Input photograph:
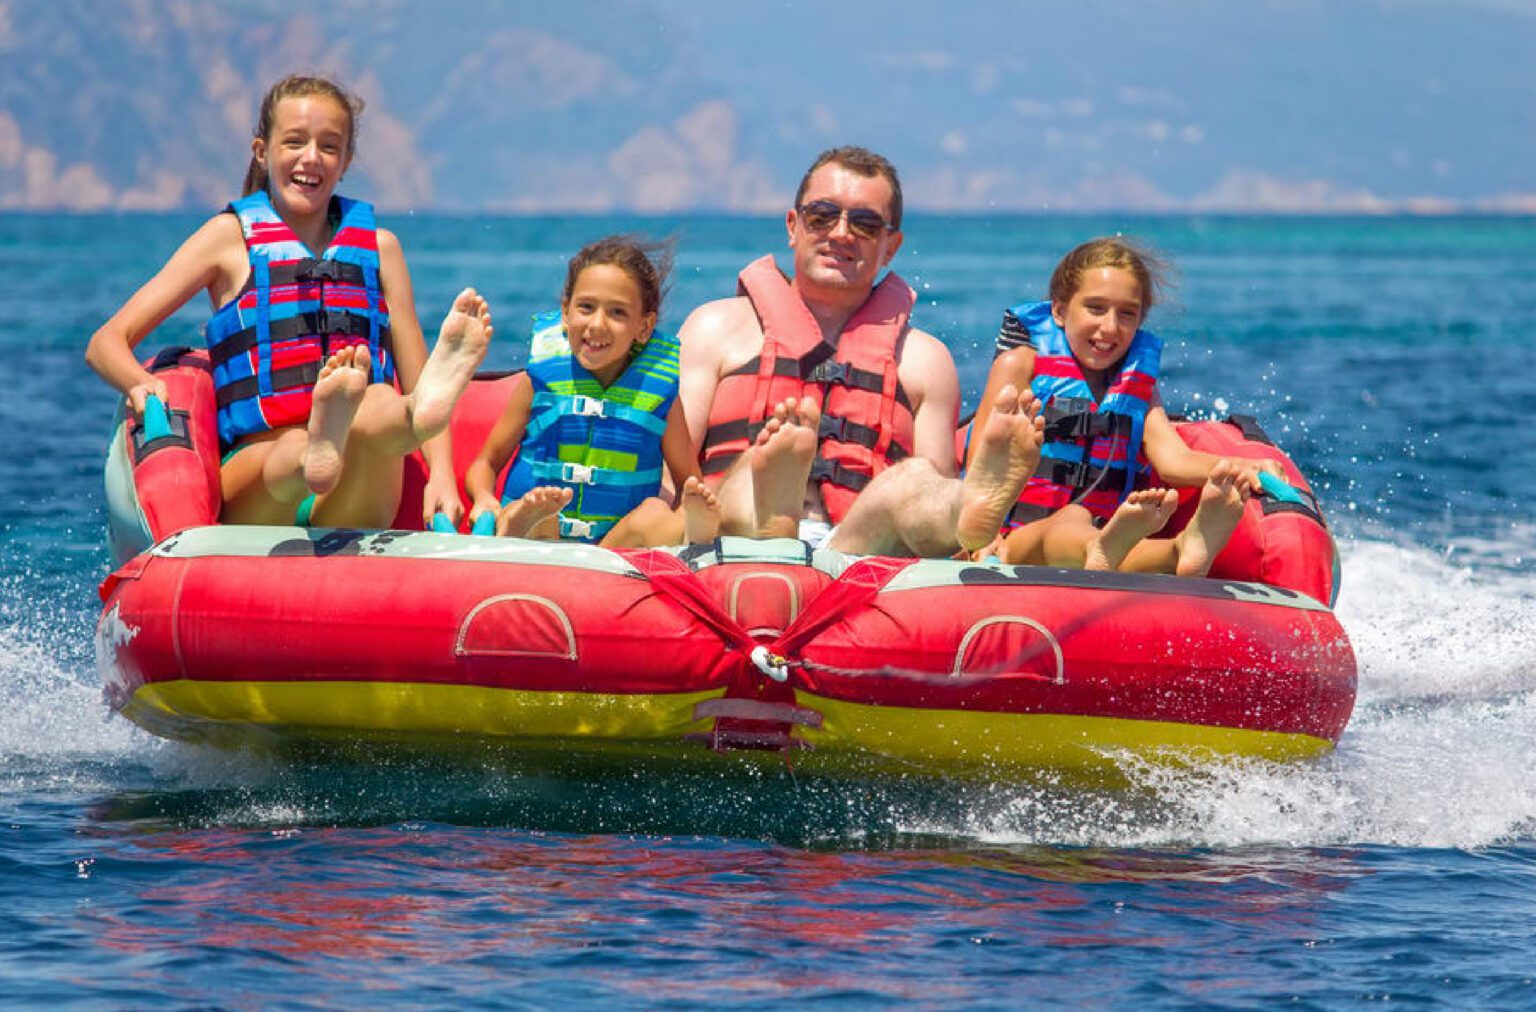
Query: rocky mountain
[{"x": 668, "y": 105}]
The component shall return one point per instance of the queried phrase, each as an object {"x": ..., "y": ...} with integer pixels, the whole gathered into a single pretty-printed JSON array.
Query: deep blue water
[{"x": 1392, "y": 357}]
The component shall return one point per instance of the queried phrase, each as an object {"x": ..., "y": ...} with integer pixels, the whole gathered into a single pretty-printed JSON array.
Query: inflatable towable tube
[{"x": 281, "y": 634}]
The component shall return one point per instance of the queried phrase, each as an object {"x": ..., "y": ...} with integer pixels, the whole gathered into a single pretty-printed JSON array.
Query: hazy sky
[{"x": 674, "y": 105}]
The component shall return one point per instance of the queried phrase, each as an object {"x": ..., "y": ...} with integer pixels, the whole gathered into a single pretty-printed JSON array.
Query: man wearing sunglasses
[{"x": 817, "y": 379}]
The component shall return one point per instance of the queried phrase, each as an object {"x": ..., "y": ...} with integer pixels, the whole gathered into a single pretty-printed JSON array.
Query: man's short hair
[{"x": 860, "y": 161}]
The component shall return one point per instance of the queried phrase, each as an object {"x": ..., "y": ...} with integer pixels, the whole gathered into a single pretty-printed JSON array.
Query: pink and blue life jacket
[
  {"x": 1092, "y": 454},
  {"x": 268, "y": 343}
]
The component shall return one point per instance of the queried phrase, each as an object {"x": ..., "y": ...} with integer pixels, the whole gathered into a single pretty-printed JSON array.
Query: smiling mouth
[
  {"x": 835, "y": 256},
  {"x": 305, "y": 180}
]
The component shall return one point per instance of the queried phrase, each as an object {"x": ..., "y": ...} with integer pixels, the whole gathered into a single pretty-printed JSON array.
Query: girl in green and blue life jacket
[{"x": 596, "y": 417}]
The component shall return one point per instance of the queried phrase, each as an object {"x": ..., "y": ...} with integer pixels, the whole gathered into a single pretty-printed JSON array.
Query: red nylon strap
[
  {"x": 672, "y": 577},
  {"x": 856, "y": 587}
]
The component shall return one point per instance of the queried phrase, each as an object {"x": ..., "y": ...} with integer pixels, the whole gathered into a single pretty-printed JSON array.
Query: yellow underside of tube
[
  {"x": 1040, "y": 740},
  {"x": 853, "y": 737}
]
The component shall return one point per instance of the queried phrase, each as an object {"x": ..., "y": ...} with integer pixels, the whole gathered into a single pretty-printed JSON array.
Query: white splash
[{"x": 1438, "y": 752}]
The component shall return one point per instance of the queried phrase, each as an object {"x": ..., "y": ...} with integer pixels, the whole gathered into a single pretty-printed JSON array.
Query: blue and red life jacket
[
  {"x": 268, "y": 343},
  {"x": 1093, "y": 448},
  {"x": 601, "y": 442}
]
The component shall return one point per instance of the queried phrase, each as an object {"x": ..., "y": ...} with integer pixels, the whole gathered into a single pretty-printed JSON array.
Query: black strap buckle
[
  {"x": 823, "y": 469},
  {"x": 832, "y": 427},
  {"x": 318, "y": 270},
  {"x": 830, "y": 371},
  {"x": 336, "y": 321}
]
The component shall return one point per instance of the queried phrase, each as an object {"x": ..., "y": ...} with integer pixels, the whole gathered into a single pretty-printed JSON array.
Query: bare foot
[
  {"x": 1009, "y": 451},
  {"x": 461, "y": 346},
  {"x": 518, "y": 519},
  {"x": 701, "y": 512},
  {"x": 1221, "y": 507},
  {"x": 781, "y": 464},
  {"x": 338, "y": 391},
  {"x": 1144, "y": 513}
]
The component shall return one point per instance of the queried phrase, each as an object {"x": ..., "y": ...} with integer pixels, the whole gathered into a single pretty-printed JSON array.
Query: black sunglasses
[{"x": 823, "y": 216}]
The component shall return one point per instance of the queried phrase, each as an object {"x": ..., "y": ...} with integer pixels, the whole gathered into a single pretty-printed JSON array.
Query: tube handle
[{"x": 157, "y": 420}]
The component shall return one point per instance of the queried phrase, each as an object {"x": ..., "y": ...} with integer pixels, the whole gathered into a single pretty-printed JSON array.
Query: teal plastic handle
[
  {"x": 1280, "y": 489},
  {"x": 442, "y": 525},
  {"x": 485, "y": 524},
  {"x": 157, "y": 420}
]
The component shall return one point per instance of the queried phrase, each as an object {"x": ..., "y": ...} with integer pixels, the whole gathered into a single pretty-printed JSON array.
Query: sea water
[{"x": 1393, "y": 358}]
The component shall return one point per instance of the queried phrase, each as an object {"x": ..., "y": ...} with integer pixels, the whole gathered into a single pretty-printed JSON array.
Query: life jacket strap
[
  {"x": 1081, "y": 476},
  {"x": 834, "y": 472},
  {"x": 549, "y": 408},
  {"x": 312, "y": 269},
  {"x": 1070, "y": 419},
  {"x": 323, "y": 323},
  {"x": 825, "y": 372},
  {"x": 1026, "y": 513},
  {"x": 570, "y": 473},
  {"x": 842, "y": 430},
  {"x": 280, "y": 379}
]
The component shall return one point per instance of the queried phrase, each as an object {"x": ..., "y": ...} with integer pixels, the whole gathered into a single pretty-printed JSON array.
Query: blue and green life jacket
[
  {"x": 1092, "y": 454},
  {"x": 268, "y": 343},
  {"x": 602, "y": 443}
]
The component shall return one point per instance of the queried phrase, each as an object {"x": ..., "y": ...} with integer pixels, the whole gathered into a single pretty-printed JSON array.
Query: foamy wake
[
  {"x": 1437, "y": 754},
  {"x": 57, "y": 733}
]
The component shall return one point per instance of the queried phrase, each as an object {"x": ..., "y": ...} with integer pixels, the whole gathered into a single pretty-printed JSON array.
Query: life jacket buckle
[
  {"x": 335, "y": 321},
  {"x": 830, "y": 371},
  {"x": 572, "y": 528},
  {"x": 318, "y": 270},
  {"x": 587, "y": 407},
  {"x": 832, "y": 427},
  {"x": 575, "y": 474}
]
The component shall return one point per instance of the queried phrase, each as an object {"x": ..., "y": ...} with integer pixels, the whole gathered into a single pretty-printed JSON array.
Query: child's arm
[
  {"x": 1016, "y": 366},
  {"x": 209, "y": 260},
  {"x": 677, "y": 448},
  {"x": 506, "y": 434},
  {"x": 1180, "y": 466}
]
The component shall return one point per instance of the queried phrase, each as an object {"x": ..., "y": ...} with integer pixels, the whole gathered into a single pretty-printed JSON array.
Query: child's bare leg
[
  {"x": 1065, "y": 536},
  {"x": 337, "y": 396},
  {"x": 388, "y": 425},
  {"x": 461, "y": 345},
  {"x": 264, "y": 481},
  {"x": 1144, "y": 513},
  {"x": 1221, "y": 507},
  {"x": 519, "y": 518},
  {"x": 1025, "y": 545},
  {"x": 368, "y": 494},
  {"x": 781, "y": 464},
  {"x": 701, "y": 512},
  {"x": 1009, "y": 450},
  {"x": 653, "y": 522}
]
